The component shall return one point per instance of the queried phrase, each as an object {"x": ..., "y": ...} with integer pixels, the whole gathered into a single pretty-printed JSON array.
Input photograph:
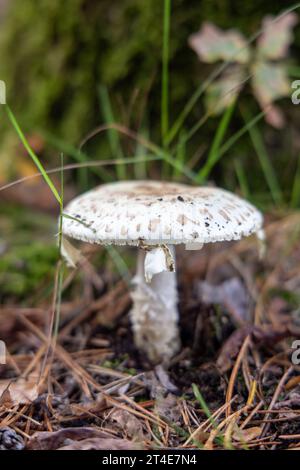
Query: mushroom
[{"x": 155, "y": 216}]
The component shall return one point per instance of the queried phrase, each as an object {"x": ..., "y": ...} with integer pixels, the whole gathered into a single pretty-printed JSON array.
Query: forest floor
[{"x": 233, "y": 385}]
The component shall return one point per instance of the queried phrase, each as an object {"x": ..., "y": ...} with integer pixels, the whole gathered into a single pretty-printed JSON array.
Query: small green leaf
[{"x": 212, "y": 44}]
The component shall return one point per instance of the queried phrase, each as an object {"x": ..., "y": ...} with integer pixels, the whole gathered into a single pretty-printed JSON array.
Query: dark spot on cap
[
  {"x": 180, "y": 198},
  {"x": 160, "y": 199},
  {"x": 206, "y": 224}
]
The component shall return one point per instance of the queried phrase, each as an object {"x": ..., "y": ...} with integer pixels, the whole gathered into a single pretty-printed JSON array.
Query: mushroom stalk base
[{"x": 154, "y": 315}]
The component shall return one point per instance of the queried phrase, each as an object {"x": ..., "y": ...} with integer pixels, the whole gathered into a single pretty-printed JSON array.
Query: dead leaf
[
  {"x": 212, "y": 44},
  {"x": 20, "y": 392},
  {"x": 43, "y": 440},
  {"x": 232, "y": 294},
  {"x": 96, "y": 443},
  {"x": 223, "y": 91},
  {"x": 277, "y": 36},
  {"x": 246, "y": 435}
]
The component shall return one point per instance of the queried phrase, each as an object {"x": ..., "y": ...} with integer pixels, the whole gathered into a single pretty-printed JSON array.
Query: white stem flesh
[{"x": 154, "y": 315}]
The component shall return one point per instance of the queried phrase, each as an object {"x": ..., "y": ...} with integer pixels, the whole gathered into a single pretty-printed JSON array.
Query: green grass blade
[
  {"x": 264, "y": 159},
  {"x": 113, "y": 135},
  {"x": 190, "y": 105},
  {"x": 34, "y": 157},
  {"x": 215, "y": 147}
]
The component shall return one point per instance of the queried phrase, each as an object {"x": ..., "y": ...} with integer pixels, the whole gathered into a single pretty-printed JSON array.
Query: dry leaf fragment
[
  {"x": 277, "y": 36},
  {"x": 212, "y": 44},
  {"x": 128, "y": 423},
  {"x": 246, "y": 435},
  {"x": 232, "y": 294},
  {"x": 223, "y": 91}
]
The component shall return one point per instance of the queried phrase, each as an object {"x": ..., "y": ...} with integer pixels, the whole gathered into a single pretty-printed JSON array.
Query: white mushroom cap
[{"x": 152, "y": 212}]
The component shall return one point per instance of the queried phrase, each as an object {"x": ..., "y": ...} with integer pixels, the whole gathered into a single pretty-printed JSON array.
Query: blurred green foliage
[
  {"x": 59, "y": 58},
  {"x": 28, "y": 252},
  {"x": 24, "y": 268}
]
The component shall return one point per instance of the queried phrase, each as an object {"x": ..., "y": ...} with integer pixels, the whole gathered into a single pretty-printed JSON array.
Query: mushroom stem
[{"x": 154, "y": 315}]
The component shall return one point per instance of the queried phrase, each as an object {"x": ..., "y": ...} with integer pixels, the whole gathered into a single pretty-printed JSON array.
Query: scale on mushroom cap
[{"x": 156, "y": 216}]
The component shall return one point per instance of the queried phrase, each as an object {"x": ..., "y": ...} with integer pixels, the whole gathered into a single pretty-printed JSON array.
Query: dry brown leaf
[
  {"x": 20, "y": 392},
  {"x": 274, "y": 42},
  {"x": 53, "y": 440},
  {"x": 212, "y": 44}
]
